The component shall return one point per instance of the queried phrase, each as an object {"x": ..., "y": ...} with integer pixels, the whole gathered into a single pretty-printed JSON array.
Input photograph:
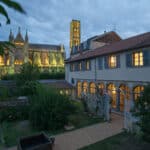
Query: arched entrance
[
  {"x": 85, "y": 87},
  {"x": 124, "y": 95},
  {"x": 101, "y": 87},
  {"x": 137, "y": 91},
  {"x": 79, "y": 89},
  {"x": 111, "y": 88},
  {"x": 92, "y": 88}
]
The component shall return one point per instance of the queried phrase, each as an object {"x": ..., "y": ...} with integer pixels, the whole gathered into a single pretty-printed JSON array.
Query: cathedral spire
[
  {"x": 26, "y": 36},
  {"x": 11, "y": 37},
  {"x": 19, "y": 30},
  {"x": 19, "y": 37}
]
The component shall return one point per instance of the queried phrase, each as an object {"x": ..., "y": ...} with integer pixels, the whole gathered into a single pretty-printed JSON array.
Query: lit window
[
  {"x": 72, "y": 67},
  {"x": 67, "y": 92},
  {"x": 61, "y": 92},
  {"x": 87, "y": 65},
  {"x": 1, "y": 61},
  {"x": 18, "y": 62},
  {"x": 92, "y": 88},
  {"x": 138, "y": 59},
  {"x": 80, "y": 66},
  {"x": 137, "y": 91},
  {"x": 19, "y": 44},
  {"x": 112, "y": 62}
]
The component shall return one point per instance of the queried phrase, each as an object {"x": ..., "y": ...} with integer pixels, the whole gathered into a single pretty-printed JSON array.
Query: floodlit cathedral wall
[{"x": 48, "y": 57}]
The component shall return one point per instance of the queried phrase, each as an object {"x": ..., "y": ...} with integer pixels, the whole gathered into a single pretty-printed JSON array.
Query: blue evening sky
[{"x": 48, "y": 21}]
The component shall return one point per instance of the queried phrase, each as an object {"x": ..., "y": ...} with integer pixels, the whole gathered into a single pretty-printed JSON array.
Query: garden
[
  {"x": 122, "y": 141},
  {"x": 45, "y": 111}
]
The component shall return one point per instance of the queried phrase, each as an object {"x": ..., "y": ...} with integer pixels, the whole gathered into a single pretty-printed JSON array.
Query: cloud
[{"x": 48, "y": 21}]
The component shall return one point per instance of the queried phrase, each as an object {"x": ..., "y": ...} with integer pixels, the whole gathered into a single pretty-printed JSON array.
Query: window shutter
[
  {"x": 90, "y": 64},
  {"x": 106, "y": 62},
  {"x": 76, "y": 66},
  {"x": 146, "y": 58},
  {"x": 70, "y": 67},
  {"x": 100, "y": 63},
  {"x": 129, "y": 60},
  {"x": 83, "y": 65},
  {"x": 118, "y": 61}
]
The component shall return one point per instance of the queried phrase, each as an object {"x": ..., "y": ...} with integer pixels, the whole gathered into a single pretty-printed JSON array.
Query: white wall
[{"x": 123, "y": 73}]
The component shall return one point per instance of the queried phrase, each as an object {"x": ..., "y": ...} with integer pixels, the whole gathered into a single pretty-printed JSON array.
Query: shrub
[
  {"x": 142, "y": 107},
  {"x": 4, "y": 93},
  {"x": 14, "y": 113},
  {"x": 49, "y": 109},
  {"x": 29, "y": 88},
  {"x": 9, "y": 77},
  {"x": 28, "y": 72},
  {"x": 52, "y": 75}
]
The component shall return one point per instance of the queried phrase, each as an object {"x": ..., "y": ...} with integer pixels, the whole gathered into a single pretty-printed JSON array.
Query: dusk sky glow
[{"x": 48, "y": 21}]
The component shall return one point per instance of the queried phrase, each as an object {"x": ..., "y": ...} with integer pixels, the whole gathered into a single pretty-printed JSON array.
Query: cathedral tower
[{"x": 74, "y": 33}]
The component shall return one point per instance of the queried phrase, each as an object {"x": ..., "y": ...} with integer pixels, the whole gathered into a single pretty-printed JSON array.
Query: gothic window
[{"x": 1, "y": 61}]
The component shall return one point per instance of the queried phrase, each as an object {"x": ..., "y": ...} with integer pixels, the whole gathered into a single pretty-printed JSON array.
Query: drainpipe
[{"x": 95, "y": 71}]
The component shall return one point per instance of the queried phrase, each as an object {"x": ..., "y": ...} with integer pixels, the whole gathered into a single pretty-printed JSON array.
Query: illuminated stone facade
[
  {"x": 74, "y": 33},
  {"x": 49, "y": 58}
]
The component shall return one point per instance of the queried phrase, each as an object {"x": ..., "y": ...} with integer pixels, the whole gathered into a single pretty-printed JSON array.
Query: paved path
[{"x": 85, "y": 136}]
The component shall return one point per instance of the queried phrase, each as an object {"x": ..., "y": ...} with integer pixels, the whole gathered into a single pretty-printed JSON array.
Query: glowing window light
[
  {"x": 18, "y": 62},
  {"x": 137, "y": 91},
  {"x": 87, "y": 65},
  {"x": 1, "y": 61},
  {"x": 19, "y": 44},
  {"x": 112, "y": 61},
  {"x": 61, "y": 92},
  {"x": 138, "y": 59}
]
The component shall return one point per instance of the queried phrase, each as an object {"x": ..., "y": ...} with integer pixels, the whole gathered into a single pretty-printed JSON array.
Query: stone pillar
[
  {"x": 117, "y": 96},
  {"x": 118, "y": 99},
  {"x": 131, "y": 96},
  {"x": 88, "y": 88}
]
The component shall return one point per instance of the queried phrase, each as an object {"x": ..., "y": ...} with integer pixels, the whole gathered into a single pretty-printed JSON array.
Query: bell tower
[{"x": 74, "y": 33}]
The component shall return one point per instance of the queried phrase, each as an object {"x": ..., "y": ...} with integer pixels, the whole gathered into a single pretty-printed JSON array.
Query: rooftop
[{"x": 138, "y": 41}]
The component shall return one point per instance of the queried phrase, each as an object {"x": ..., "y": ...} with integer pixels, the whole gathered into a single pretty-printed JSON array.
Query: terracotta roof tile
[{"x": 131, "y": 43}]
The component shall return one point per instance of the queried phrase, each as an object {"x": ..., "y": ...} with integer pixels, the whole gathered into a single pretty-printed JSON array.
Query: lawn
[
  {"x": 122, "y": 141},
  {"x": 12, "y": 131}
]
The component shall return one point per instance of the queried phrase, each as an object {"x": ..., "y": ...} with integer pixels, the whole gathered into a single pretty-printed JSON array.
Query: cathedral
[{"x": 49, "y": 58}]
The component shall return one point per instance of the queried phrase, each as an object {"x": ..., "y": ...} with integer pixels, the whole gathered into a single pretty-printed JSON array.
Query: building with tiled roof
[
  {"x": 48, "y": 57},
  {"x": 118, "y": 66}
]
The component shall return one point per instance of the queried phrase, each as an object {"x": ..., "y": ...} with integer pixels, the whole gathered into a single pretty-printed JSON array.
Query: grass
[
  {"x": 122, "y": 141},
  {"x": 12, "y": 131}
]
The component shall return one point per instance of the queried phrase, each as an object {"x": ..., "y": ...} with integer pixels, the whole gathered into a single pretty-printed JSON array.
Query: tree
[
  {"x": 28, "y": 72},
  {"x": 142, "y": 110},
  {"x": 49, "y": 109},
  {"x": 13, "y": 5}
]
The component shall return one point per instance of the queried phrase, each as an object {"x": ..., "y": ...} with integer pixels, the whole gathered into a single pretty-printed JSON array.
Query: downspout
[{"x": 95, "y": 71}]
